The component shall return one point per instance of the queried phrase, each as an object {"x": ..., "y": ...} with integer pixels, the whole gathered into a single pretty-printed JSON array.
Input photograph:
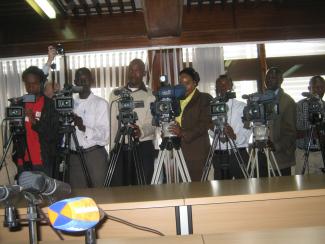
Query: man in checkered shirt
[{"x": 316, "y": 87}]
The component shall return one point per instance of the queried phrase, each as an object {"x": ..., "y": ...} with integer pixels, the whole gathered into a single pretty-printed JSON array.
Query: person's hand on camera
[
  {"x": 31, "y": 116},
  {"x": 175, "y": 129},
  {"x": 228, "y": 130},
  {"x": 136, "y": 130},
  {"x": 79, "y": 123},
  {"x": 51, "y": 53}
]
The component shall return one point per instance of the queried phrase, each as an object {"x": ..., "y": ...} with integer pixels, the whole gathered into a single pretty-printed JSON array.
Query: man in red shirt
[{"x": 36, "y": 150}]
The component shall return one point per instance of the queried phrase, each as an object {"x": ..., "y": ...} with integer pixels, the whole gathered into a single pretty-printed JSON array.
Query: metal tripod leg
[
  {"x": 208, "y": 162},
  {"x": 275, "y": 163},
  {"x": 112, "y": 163},
  {"x": 239, "y": 158},
  {"x": 82, "y": 159},
  {"x": 181, "y": 165},
  {"x": 3, "y": 158},
  {"x": 157, "y": 172}
]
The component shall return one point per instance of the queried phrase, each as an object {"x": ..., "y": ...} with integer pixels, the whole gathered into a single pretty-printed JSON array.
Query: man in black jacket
[{"x": 36, "y": 148}]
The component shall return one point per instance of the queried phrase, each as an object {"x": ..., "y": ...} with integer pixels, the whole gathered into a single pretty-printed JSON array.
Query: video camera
[
  {"x": 63, "y": 103},
  {"x": 261, "y": 108},
  {"x": 166, "y": 107},
  {"x": 15, "y": 113},
  {"x": 63, "y": 100},
  {"x": 316, "y": 108},
  {"x": 126, "y": 106},
  {"x": 219, "y": 108}
]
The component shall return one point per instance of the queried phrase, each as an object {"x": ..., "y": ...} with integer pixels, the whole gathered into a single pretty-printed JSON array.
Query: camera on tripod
[
  {"x": 126, "y": 106},
  {"x": 260, "y": 110},
  {"x": 167, "y": 107},
  {"x": 219, "y": 108},
  {"x": 63, "y": 103},
  {"x": 315, "y": 108},
  {"x": 15, "y": 113}
]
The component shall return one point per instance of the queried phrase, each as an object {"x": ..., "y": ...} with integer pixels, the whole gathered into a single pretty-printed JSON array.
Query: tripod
[
  {"x": 124, "y": 133},
  {"x": 17, "y": 129},
  {"x": 260, "y": 144},
  {"x": 307, "y": 150},
  {"x": 70, "y": 131},
  {"x": 171, "y": 156},
  {"x": 218, "y": 136}
]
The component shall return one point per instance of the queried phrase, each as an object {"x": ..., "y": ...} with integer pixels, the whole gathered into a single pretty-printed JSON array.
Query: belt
[
  {"x": 89, "y": 149},
  {"x": 221, "y": 152}
]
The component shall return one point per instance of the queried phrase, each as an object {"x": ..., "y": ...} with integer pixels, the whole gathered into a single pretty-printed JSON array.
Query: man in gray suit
[{"x": 283, "y": 127}]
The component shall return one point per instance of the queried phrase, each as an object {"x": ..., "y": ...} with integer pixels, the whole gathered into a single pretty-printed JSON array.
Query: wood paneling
[
  {"x": 200, "y": 25},
  {"x": 163, "y": 17}
]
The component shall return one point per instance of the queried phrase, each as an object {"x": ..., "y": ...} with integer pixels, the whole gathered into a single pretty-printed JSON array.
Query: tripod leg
[
  {"x": 208, "y": 162},
  {"x": 178, "y": 169},
  {"x": 138, "y": 163},
  {"x": 82, "y": 160},
  {"x": 7, "y": 146},
  {"x": 239, "y": 158},
  {"x": 254, "y": 162},
  {"x": 182, "y": 164},
  {"x": 276, "y": 164},
  {"x": 115, "y": 153},
  {"x": 169, "y": 167},
  {"x": 257, "y": 164},
  {"x": 157, "y": 172},
  {"x": 250, "y": 162},
  {"x": 268, "y": 162}
]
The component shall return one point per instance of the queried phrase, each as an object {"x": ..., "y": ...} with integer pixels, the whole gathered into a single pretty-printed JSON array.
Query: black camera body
[
  {"x": 219, "y": 108},
  {"x": 126, "y": 106},
  {"x": 15, "y": 113},
  {"x": 63, "y": 100},
  {"x": 64, "y": 104},
  {"x": 261, "y": 107},
  {"x": 166, "y": 107},
  {"x": 316, "y": 110}
]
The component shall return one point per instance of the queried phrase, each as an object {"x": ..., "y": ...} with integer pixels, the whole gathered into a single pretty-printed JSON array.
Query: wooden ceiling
[
  {"x": 101, "y": 7},
  {"x": 85, "y": 25}
]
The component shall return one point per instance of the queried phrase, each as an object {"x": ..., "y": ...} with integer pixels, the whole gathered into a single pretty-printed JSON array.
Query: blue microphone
[{"x": 74, "y": 214}]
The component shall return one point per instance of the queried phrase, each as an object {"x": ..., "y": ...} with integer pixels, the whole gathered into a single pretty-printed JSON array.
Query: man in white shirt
[
  {"x": 143, "y": 129},
  {"x": 92, "y": 130},
  {"x": 225, "y": 163}
]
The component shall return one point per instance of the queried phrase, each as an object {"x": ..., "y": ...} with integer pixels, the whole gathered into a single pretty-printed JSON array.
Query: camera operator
[
  {"x": 193, "y": 123},
  {"x": 39, "y": 149},
  {"x": 234, "y": 130},
  {"x": 316, "y": 87},
  {"x": 283, "y": 127},
  {"x": 92, "y": 130},
  {"x": 143, "y": 129}
]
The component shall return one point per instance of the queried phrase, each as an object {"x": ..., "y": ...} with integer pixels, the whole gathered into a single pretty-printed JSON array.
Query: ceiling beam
[{"x": 163, "y": 17}]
